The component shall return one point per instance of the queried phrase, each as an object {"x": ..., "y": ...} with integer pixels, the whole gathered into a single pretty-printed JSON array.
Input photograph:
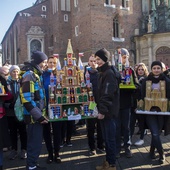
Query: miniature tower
[
  {"x": 69, "y": 54},
  {"x": 81, "y": 67}
]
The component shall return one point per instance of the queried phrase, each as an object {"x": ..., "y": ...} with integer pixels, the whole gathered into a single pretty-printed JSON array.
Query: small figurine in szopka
[
  {"x": 64, "y": 113},
  {"x": 76, "y": 111}
]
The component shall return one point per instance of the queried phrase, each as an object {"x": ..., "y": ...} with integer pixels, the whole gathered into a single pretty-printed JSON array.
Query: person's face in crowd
[
  {"x": 156, "y": 70},
  {"x": 51, "y": 63},
  {"x": 92, "y": 62},
  {"x": 124, "y": 59},
  {"x": 140, "y": 71},
  {"x": 15, "y": 74},
  {"x": 43, "y": 64},
  {"x": 99, "y": 61}
]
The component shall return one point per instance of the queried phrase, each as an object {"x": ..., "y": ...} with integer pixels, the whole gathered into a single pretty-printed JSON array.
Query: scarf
[{"x": 156, "y": 79}]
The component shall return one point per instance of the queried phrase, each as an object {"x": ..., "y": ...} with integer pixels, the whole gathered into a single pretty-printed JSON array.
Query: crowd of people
[{"x": 114, "y": 124}]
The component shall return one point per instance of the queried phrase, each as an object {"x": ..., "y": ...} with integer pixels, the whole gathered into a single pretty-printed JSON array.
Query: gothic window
[
  {"x": 125, "y": 3},
  {"x": 75, "y": 3},
  {"x": 77, "y": 30},
  {"x": 115, "y": 28},
  {"x": 51, "y": 41},
  {"x": 35, "y": 45},
  {"x": 65, "y": 5},
  {"x": 65, "y": 17},
  {"x": 108, "y": 2}
]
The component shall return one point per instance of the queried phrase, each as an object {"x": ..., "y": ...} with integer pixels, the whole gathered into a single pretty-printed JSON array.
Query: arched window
[
  {"x": 115, "y": 28},
  {"x": 35, "y": 45}
]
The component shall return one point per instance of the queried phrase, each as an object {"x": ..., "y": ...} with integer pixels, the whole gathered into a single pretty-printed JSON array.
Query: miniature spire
[
  {"x": 69, "y": 53},
  {"x": 113, "y": 60},
  {"x": 80, "y": 64},
  {"x": 120, "y": 62},
  {"x": 58, "y": 65},
  {"x": 69, "y": 47}
]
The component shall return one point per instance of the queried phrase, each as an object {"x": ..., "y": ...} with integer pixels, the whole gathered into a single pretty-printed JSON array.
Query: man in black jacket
[{"x": 108, "y": 107}]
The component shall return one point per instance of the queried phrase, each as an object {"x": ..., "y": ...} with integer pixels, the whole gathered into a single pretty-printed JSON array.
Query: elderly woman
[{"x": 14, "y": 125}]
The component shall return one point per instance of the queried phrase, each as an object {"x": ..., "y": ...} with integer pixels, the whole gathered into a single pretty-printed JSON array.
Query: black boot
[
  {"x": 57, "y": 158},
  {"x": 50, "y": 158},
  {"x": 161, "y": 157},
  {"x": 1, "y": 168},
  {"x": 152, "y": 152}
]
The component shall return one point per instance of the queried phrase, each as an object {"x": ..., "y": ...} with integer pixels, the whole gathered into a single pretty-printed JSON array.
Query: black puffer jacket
[{"x": 108, "y": 90}]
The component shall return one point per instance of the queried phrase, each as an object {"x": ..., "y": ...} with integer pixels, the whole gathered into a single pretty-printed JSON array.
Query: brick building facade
[{"x": 90, "y": 24}]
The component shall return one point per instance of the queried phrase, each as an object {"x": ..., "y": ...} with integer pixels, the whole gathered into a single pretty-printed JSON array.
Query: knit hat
[
  {"x": 124, "y": 51},
  {"x": 154, "y": 63},
  {"x": 38, "y": 57},
  {"x": 14, "y": 67},
  {"x": 103, "y": 54}
]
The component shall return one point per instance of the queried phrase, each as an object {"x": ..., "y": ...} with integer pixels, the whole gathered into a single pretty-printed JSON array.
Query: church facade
[
  {"x": 153, "y": 41},
  {"x": 91, "y": 25}
]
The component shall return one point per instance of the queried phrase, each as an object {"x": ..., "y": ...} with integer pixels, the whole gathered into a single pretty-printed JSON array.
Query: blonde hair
[{"x": 144, "y": 68}]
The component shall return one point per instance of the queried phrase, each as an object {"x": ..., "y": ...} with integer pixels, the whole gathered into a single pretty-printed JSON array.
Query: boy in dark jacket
[{"x": 108, "y": 107}]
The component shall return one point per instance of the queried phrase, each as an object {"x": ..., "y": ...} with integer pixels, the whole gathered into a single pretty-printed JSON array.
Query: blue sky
[{"x": 8, "y": 10}]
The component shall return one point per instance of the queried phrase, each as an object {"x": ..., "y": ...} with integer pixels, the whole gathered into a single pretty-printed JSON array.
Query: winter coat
[
  {"x": 32, "y": 93},
  {"x": 166, "y": 126},
  {"x": 108, "y": 91},
  {"x": 4, "y": 135},
  {"x": 13, "y": 87}
]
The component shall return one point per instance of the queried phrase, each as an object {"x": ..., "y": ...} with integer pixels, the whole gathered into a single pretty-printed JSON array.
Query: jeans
[
  {"x": 56, "y": 127},
  {"x": 1, "y": 157},
  {"x": 123, "y": 129},
  {"x": 155, "y": 124},
  {"x": 108, "y": 127},
  {"x": 93, "y": 124},
  {"x": 34, "y": 143}
]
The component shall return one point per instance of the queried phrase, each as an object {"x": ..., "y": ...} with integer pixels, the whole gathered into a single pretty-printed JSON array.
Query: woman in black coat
[
  {"x": 157, "y": 122},
  {"x": 4, "y": 136}
]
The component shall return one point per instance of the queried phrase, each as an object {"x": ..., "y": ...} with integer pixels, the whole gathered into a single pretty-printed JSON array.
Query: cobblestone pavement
[{"x": 77, "y": 157}]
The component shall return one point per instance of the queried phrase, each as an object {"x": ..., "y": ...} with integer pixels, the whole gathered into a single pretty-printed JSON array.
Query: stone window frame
[{"x": 35, "y": 33}]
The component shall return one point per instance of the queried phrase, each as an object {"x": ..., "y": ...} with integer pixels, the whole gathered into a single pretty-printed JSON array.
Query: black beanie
[
  {"x": 154, "y": 63},
  {"x": 103, "y": 54},
  {"x": 37, "y": 57}
]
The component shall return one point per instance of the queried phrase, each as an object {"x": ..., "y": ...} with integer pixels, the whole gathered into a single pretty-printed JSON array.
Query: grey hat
[
  {"x": 124, "y": 51},
  {"x": 14, "y": 67}
]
